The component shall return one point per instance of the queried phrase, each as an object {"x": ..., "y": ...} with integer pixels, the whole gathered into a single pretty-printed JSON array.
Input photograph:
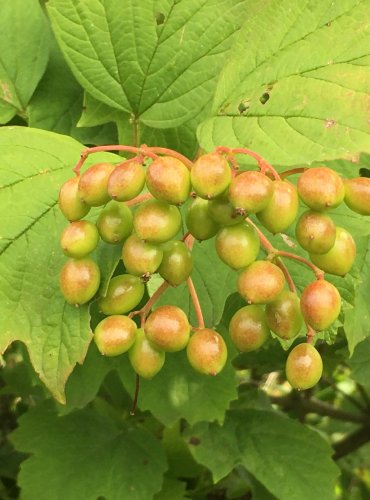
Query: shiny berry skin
[
  {"x": 357, "y": 195},
  {"x": 139, "y": 257},
  {"x": 250, "y": 191},
  {"x": 177, "y": 263},
  {"x": 168, "y": 328},
  {"x": 168, "y": 179},
  {"x": 126, "y": 181},
  {"x": 144, "y": 357},
  {"x": 156, "y": 221},
  {"x": 340, "y": 258},
  {"x": 70, "y": 203},
  {"x": 79, "y": 280},
  {"x": 210, "y": 175},
  {"x": 315, "y": 232},
  {"x": 281, "y": 209},
  {"x": 207, "y": 351},
  {"x": 123, "y": 294},
  {"x": 261, "y": 282},
  {"x": 284, "y": 316},
  {"x": 79, "y": 239},
  {"x": 320, "y": 304},
  {"x": 198, "y": 220},
  {"x": 248, "y": 328},
  {"x": 93, "y": 184},
  {"x": 115, "y": 335},
  {"x": 320, "y": 188},
  {"x": 237, "y": 246},
  {"x": 115, "y": 222},
  {"x": 303, "y": 367},
  {"x": 221, "y": 211}
]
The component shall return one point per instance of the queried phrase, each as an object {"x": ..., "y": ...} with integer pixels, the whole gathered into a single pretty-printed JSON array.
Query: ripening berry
[
  {"x": 210, "y": 175},
  {"x": 340, "y": 258},
  {"x": 156, "y": 221},
  {"x": 144, "y": 357},
  {"x": 281, "y": 209},
  {"x": 320, "y": 188},
  {"x": 237, "y": 246},
  {"x": 284, "y": 315},
  {"x": 315, "y": 232},
  {"x": 320, "y": 304},
  {"x": 168, "y": 328},
  {"x": 115, "y": 222},
  {"x": 303, "y": 367},
  {"x": 177, "y": 263},
  {"x": 168, "y": 179},
  {"x": 198, "y": 220},
  {"x": 79, "y": 239},
  {"x": 250, "y": 191},
  {"x": 126, "y": 181},
  {"x": 123, "y": 294},
  {"x": 248, "y": 328},
  {"x": 69, "y": 202},
  {"x": 115, "y": 335},
  {"x": 139, "y": 257},
  {"x": 221, "y": 211},
  {"x": 79, "y": 280},
  {"x": 357, "y": 195},
  {"x": 207, "y": 351},
  {"x": 93, "y": 184},
  {"x": 261, "y": 282}
]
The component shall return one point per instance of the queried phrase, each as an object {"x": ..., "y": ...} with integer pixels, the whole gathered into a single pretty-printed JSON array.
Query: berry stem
[
  {"x": 136, "y": 395},
  {"x": 264, "y": 241},
  {"x": 196, "y": 303},
  {"x": 139, "y": 199},
  {"x": 264, "y": 166},
  {"x": 293, "y": 171},
  {"x": 287, "y": 275},
  {"x": 318, "y": 272},
  {"x": 310, "y": 333},
  {"x": 171, "y": 152},
  {"x": 143, "y": 312}
]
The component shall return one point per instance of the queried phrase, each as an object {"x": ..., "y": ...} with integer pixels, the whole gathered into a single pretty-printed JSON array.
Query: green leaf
[
  {"x": 24, "y": 47},
  {"x": 172, "y": 490},
  {"x": 85, "y": 455},
  {"x": 160, "y": 72},
  {"x": 34, "y": 164},
  {"x": 360, "y": 363},
  {"x": 295, "y": 87},
  {"x": 289, "y": 459}
]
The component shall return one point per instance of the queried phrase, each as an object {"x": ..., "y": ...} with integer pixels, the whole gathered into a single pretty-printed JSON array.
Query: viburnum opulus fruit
[
  {"x": 144, "y": 357},
  {"x": 303, "y": 366},
  {"x": 248, "y": 328},
  {"x": 70, "y": 203},
  {"x": 79, "y": 239},
  {"x": 79, "y": 280},
  {"x": 156, "y": 221},
  {"x": 93, "y": 184},
  {"x": 115, "y": 222},
  {"x": 207, "y": 351},
  {"x": 341, "y": 256},
  {"x": 115, "y": 335},
  {"x": 238, "y": 245},
  {"x": 281, "y": 209},
  {"x": 123, "y": 294},
  {"x": 315, "y": 232},
  {"x": 261, "y": 282},
  {"x": 321, "y": 188},
  {"x": 357, "y": 194},
  {"x": 250, "y": 191},
  {"x": 320, "y": 304},
  {"x": 210, "y": 175},
  {"x": 177, "y": 262},
  {"x": 140, "y": 257},
  {"x": 199, "y": 221},
  {"x": 284, "y": 316},
  {"x": 168, "y": 328},
  {"x": 126, "y": 181},
  {"x": 168, "y": 179}
]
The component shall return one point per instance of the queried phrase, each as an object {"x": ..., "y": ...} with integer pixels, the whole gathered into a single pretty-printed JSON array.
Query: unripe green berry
[
  {"x": 303, "y": 367},
  {"x": 141, "y": 258},
  {"x": 248, "y": 328},
  {"x": 261, "y": 282},
  {"x": 168, "y": 328},
  {"x": 144, "y": 357},
  {"x": 281, "y": 209},
  {"x": 123, "y": 294},
  {"x": 250, "y": 191},
  {"x": 198, "y": 220},
  {"x": 284, "y": 315},
  {"x": 79, "y": 239},
  {"x": 156, "y": 221},
  {"x": 115, "y": 335},
  {"x": 126, "y": 181},
  {"x": 320, "y": 304},
  {"x": 221, "y": 211},
  {"x": 93, "y": 184},
  {"x": 168, "y": 179},
  {"x": 340, "y": 258},
  {"x": 320, "y": 188},
  {"x": 315, "y": 232},
  {"x": 357, "y": 195},
  {"x": 70, "y": 203},
  {"x": 115, "y": 222},
  {"x": 79, "y": 280},
  {"x": 237, "y": 246},
  {"x": 210, "y": 175},
  {"x": 177, "y": 263},
  {"x": 207, "y": 351}
]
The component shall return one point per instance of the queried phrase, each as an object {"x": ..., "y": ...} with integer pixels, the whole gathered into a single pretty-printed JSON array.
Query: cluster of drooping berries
[{"x": 220, "y": 202}]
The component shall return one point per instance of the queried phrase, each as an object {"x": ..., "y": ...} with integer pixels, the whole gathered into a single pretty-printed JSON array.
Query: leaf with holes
[
  {"x": 155, "y": 60},
  {"x": 24, "y": 48},
  {"x": 296, "y": 86},
  {"x": 34, "y": 164}
]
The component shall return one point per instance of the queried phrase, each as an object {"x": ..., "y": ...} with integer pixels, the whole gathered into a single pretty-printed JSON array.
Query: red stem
[
  {"x": 293, "y": 171},
  {"x": 136, "y": 395},
  {"x": 175, "y": 154},
  {"x": 264, "y": 241},
  {"x": 287, "y": 275},
  {"x": 139, "y": 199},
  {"x": 143, "y": 312},
  {"x": 196, "y": 304},
  {"x": 264, "y": 166},
  {"x": 318, "y": 272}
]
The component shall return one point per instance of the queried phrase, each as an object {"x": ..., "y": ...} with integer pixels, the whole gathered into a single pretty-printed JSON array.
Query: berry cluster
[{"x": 222, "y": 199}]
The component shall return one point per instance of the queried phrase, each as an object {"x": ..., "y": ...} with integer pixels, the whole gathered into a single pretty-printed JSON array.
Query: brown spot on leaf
[{"x": 194, "y": 441}]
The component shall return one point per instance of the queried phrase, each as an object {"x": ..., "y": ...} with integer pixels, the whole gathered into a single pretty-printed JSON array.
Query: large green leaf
[
  {"x": 290, "y": 460},
  {"x": 157, "y": 60},
  {"x": 360, "y": 362},
  {"x": 24, "y": 48},
  {"x": 34, "y": 164},
  {"x": 85, "y": 456},
  {"x": 295, "y": 88}
]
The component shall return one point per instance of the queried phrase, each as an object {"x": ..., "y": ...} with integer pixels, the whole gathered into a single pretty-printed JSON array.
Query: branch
[
  {"x": 318, "y": 272},
  {"x": 264, "y": 166},
  {"x": 293, "y": 171},
  {"x": 143, "y": 312},
  {"x": 196, "y": 303},
  {"x": 352, "y": 442}
]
